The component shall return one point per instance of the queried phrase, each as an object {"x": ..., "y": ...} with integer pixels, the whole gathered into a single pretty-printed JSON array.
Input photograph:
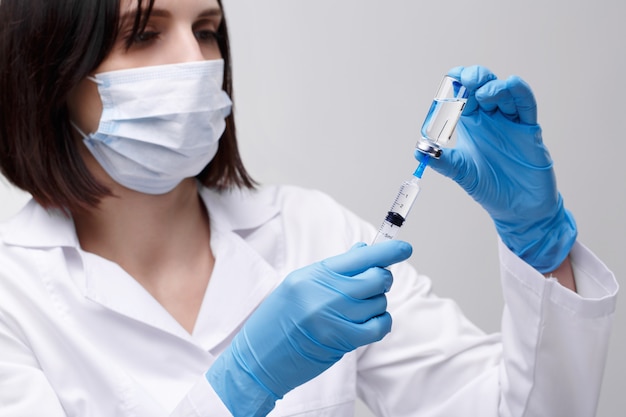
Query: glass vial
[{"x": 442, "y": 117}]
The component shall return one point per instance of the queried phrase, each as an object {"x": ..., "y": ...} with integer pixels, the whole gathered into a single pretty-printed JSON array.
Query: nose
[{"x": 184, "y": 46}]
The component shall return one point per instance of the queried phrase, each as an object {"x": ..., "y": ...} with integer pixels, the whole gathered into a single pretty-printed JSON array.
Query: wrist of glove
[
  {"x": 241, "y": 392},
  {"x": 514, "y": 181},
  {"x": 307, "y": 324},
  {"x": 543, "y": 243},
  {"x": 501, "y": 161}
]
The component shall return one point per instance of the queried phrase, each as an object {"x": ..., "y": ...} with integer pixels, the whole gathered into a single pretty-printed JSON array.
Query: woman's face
[{"x": 177, "y": 31}]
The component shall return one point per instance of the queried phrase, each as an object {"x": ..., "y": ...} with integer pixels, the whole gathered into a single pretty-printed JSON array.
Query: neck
[{"x": 142, "y": 232}]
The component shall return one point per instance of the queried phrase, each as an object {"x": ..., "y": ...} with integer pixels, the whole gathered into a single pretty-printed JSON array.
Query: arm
[
  {"x": 24, "y": 389},
  {"x": 564, "y": 275},
  {"x": 547, "y": 361},
  {"x": 555, "y": 341}
]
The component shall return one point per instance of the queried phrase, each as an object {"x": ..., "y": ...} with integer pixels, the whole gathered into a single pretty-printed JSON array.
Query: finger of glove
[
  {"x": 367, "y": 284},
  {"x": 452, "y": 164},
  {"x": 361, "y": 258},
  {"x": 472, "y": 78},
  {"x": 370, "y": 331},
  {"x": 455, "y": 72},
  {"x": 513, "y": 97},
  {"x": 360, "y": 311},
  {"x": 524, "y": 99},
  {"x": 495, "y": 96}
]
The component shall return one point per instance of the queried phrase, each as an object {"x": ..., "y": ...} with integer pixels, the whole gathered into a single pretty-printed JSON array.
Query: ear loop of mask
[{"x": 78, "y": 129}]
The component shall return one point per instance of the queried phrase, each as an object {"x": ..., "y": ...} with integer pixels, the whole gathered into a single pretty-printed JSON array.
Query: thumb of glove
[{"x": 452, "y": 164}]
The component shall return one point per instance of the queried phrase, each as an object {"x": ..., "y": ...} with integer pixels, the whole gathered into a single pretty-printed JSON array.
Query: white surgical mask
[{"x": 159, "y": 124}]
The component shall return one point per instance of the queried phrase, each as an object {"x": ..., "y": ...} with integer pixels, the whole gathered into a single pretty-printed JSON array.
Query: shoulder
[
  {"x": 304, "y": 200},
  {"x": 312, "y": 212},
  {"x": 303, "y": 203},
  {"x": 31, "y": 246},
  {"x": 24, "y": 290},
  {"x": 301, "y": 216},
  {"x": 268, "y": 200},
  {"x": 281, "y": 195}
]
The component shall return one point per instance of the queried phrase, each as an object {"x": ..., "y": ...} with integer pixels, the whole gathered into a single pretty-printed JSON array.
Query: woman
[{"x": 151, "y": 276}]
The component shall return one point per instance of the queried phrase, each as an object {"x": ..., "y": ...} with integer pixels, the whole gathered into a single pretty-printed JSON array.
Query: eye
[
  {"x": 141, "y": 39},
  {"x": 145, "y": 37},
  {"x": 207, "y": 36},
  {"x": 205, "y": 31}
]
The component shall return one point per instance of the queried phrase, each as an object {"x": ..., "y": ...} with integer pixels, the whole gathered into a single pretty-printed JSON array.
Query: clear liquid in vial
[{"x": 442, "y": 119}]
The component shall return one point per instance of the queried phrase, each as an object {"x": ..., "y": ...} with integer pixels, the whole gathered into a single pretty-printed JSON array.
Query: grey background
[{"x": 331, "y": 94}]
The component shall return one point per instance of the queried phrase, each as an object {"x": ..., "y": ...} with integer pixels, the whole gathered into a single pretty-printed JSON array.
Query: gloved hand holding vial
[{"x": 436, "y": 131}]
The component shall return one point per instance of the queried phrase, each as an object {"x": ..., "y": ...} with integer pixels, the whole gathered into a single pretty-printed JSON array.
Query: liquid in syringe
[{"x": 402, "y": 205}]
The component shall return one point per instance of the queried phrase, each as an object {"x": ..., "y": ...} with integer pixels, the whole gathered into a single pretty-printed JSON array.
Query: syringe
[
  {"x": 402, "y": 205},
  {"x": 437, "y": 130}
]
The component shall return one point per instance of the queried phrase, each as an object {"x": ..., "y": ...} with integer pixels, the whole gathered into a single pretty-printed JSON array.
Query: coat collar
[
  {"x": 241, "y": 278},
  {"x": 239, "y": 209},
  {"x": 36, "y": 227}
]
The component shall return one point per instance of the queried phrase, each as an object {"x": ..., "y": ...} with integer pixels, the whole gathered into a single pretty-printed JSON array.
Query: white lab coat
[{"x": 81, "y": 338}]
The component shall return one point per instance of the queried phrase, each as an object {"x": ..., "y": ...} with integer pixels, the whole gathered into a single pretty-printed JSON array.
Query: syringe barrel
[
  {"x": 386, "y": 232},
  {"x": 406, "y": 197},
  {"x": 399, "y": 210}
]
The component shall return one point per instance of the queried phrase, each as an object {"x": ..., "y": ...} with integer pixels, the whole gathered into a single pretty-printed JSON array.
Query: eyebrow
[{"x": 215, "y": 12}]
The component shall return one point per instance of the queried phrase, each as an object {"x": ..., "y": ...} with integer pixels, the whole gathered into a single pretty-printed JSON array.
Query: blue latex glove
[
  {"x": 308, "y": 323},
  {"x": 501, "y": 161}
]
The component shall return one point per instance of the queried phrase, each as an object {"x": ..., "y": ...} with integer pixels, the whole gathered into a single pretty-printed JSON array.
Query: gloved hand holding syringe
[{"x": 436, "y": 131}]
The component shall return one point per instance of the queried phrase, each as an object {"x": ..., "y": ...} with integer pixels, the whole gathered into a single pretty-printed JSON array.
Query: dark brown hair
[{"x": 46, "y": 49}]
